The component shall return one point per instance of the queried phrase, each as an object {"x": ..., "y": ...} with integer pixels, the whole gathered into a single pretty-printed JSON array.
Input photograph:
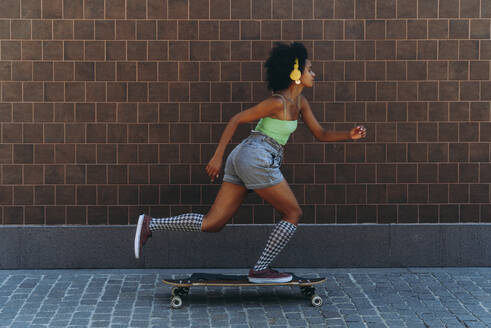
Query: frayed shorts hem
[{"x": 230, "y": 179}]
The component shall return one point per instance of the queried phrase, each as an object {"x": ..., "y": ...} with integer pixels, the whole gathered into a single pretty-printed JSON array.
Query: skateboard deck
[{"x": 181, "y": 286}]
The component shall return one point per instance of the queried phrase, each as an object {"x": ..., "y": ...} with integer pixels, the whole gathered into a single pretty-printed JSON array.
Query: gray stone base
[{"x": 239, "y": 246}]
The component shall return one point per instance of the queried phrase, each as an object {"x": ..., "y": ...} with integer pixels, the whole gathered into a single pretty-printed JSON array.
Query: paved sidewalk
[{"x": 410, "y": 297}]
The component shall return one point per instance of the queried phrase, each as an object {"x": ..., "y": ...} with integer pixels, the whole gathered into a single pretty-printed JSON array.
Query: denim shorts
[{"x": 255, "y": 162}]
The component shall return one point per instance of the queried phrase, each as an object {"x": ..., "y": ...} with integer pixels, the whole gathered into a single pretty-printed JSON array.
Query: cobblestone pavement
[{"x": 407, "y": 297}]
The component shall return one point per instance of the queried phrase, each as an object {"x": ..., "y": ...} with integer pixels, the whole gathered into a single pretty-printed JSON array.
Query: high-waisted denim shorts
[{"x": 255, "y": 162}]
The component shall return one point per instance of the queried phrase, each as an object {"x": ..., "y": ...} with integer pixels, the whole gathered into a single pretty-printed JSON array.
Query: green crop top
[{"x": 279, "y": 130}]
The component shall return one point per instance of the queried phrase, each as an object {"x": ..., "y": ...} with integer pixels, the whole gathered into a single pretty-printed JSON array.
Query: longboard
[{"x": 181, "y": 286}]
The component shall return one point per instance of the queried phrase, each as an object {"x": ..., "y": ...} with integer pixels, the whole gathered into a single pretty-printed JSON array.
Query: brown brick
[
  {"x": 365, "y": 9},
  {"x": 480, "y": 29},
  {"x": 459, "y": 111},
  {"x": 334, "y": 30},
  {"x": 94, "y": 50},
  {"x": 312, "y": 30},
  {"x": 469, "y": 132},
  {"x": 55, "y": 215},
  {"x": 11, "y": 50},
  {"x": 449, "y": 8},
  {"x": 459, "y": 29},
  {"x": 12, "y": 174},
  {"x": 199, "y": 50},
  {"x": 44, "y": 195},
  {"x": 375, "y": 71},
  {"x": 469, "y": 8},
  {"x": 34, "y": 215},
  {"x": 344, "y": 50},
  {"x": 282, "y": 9},
  {"x": 12, "y": 91},
  {"x": 118, "y": 215},
  {"x": 469, "y": 91},
  {"x": 344, "y": 9},
  {"x": 94, "y": 9},
  {"x": 406, "y": 49},
  {"x": 323, "y": 9},
  {"x": 30, "y": 9},
  {"x": 468, "y": 49},
  {"x": 20, "y": 29},
  {"x": 115, "y": 9},
  {"x": 96, "y": 174},
  {"x": 219, "y": 9},
  {"x": 485, "y": 172},
  {"x": 459, "y": 193},
  {"x": 448, "y": 49},
  {"x": 427, "y": 173},
  {"x": 62, "y": 30},
  {"x": 74, "y": 50},
  {"x": 105, "y": 71},
  {"x": 86, "y": 154},
  {"x": 479, "y": 70},
  {"x": 428, "y": 8},
  {"x": 396, "y": 29},
  {"x": 177, "y": 9},
  {"x": 485, "y": 9},
  {"x": 73, "y": 9},
  {"x": 65, "y": 153},
  {"x": 22, "y": 112},
  {"x": 396, "y": 193},
  {"x": 458, "y": 152},
  {"x": 32, "y": 50},
  {"x": 417, "y": 29},
  {"x": 386, "y": 91},
  {"x": 385, "y": 50},
  {"x": 209, "y": 71},
  {"x": 86, "y": 195},
  {"x": 437, "y": 70},
  {"x": 65, "y": 195},
  {"x": 146, "y": 30},
  {"x": 262, "y": 9},
  {"x": 137, "y": 9},
  {"x": 63, "y": 71},
  {"x": 75, "y": 174},
  {"x": 167, "y": 30},
  {"x": 52, "y": 9},
  {"x": 485, "y": 90},
  {"x": 417, "y": 152},
  {"x": 407, "y": 9},
  {"x": 386, "y": 8},
  {"x": 438, "y": 29},
  {"x": 84, "y": 71},
  {"x": 271, "y": 30},
  {"x": 75, "y": 133},
  {"x": 375, "y": 30},
  {"x": 448, "y": 91},
  {"x": 417, "y": 193},
  {"x": 41, "y": 30},
  {"x": 428, "y": 91},
  {"x": 480, "y": 111},
  {"x": 22, "y": 71}
]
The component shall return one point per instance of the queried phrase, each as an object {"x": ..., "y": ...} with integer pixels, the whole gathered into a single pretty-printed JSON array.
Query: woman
[{"x": 255, "y": 162}]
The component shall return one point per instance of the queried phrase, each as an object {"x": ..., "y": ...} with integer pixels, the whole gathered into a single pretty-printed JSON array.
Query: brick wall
[{"x": 112, "y": 107}]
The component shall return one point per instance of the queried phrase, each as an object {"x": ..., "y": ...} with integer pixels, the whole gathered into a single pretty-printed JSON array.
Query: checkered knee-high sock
[
  {"x": 278, "y": 239},
  {"x": 183, "y": 222}
]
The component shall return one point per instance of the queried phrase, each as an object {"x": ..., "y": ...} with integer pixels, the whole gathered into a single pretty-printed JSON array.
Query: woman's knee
[
  {"x": 293, "y": 216},
  {"x": 210, "y": 225}
]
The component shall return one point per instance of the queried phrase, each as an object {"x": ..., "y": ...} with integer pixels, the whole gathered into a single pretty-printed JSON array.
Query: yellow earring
[{"x": 296, "y": 74}]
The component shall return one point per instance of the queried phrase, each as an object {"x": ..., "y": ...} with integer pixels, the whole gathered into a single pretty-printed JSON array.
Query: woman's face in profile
[{"x": 308, "y": 75}]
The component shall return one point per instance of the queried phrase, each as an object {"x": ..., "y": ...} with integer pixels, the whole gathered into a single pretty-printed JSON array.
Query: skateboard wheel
[
  {"x": 316, "y": 300},
  {"x": 176, "y": 302},
  {"x": 173, "y": 291}
]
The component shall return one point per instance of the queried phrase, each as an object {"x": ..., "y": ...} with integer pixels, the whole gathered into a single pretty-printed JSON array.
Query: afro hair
[{"x": 280, "y": 64}]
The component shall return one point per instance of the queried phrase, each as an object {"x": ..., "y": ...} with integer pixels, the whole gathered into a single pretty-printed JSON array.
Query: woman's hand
[
  {"x": 358, "y": 133},
  {"x": 213, "y": 167}
]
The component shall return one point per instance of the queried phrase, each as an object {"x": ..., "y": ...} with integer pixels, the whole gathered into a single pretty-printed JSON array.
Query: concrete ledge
[{"x": 239, "y": 246}]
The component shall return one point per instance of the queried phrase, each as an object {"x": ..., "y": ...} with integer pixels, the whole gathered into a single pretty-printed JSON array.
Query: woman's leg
[
  {"x": 228, "y": 200},
  {"x": 283, "y": 200}
]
